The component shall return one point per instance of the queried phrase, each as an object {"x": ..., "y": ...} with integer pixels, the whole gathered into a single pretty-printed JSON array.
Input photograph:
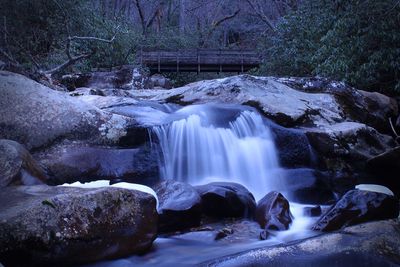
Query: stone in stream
[
  {"x": 264, "y": 235},
  {"x": 273, "y": 212},
  {"x": 312, "y": 211},
  {"x": 223, "y": 199},
  {"x": 358, "y": 206},
  {"x": 179, "y": 206},
  {"x": 17, "y": 165},
  {"x": 43, "y": 225}
]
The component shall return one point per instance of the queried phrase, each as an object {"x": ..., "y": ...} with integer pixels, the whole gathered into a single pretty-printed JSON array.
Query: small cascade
[{"x": 206, "y": 143}]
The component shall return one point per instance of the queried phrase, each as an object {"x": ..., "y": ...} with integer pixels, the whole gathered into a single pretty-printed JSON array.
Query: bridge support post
[
  {"x": 241, "y": 56},
  {"x": 159, "y": 62},
  {"x": 177, "y": 62},
  {"x": 198, "y": 62},
  {"x": 219, "y": 61}
]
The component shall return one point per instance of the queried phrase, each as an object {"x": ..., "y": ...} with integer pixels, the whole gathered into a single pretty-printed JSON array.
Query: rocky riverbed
[{"x": 329, "y": 137}]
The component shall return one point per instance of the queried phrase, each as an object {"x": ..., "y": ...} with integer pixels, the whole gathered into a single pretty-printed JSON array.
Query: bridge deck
[{"x": 199, "y": 60}]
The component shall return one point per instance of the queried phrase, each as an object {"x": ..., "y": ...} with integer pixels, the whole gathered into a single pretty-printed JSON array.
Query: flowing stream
[
  {"x": 201, "y": 148},
  {"x": 208, "y": 143}
]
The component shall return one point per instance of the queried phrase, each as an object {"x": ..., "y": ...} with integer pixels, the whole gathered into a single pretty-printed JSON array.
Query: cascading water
[
  {"x": 209, "y": 143},
  {"x": 202, "y": 146}
]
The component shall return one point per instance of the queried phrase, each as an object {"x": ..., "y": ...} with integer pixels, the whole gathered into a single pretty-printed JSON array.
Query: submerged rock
[
  {"x": 312, "y": 211},
  {"x": 17, "y": 165},
  {"x": 179, "y": 206},
  {"x": 369, "y": 244},
  {"x": 66, "y": 225},
  {"x": 223, "y": 199},
  {"x": 358, "y": 206},
  {"x": 273, "y": 212}
]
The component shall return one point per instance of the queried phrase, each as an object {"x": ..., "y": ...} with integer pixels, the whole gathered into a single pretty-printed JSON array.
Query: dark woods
[{"x": 356, "y": 41}]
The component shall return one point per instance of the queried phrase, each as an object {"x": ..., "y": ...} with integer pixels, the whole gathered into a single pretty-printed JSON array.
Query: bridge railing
[{"x": 202, "y": 58}]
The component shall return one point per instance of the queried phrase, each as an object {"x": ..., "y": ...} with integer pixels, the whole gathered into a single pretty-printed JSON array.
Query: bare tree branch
[
  {"x": 141, "y": 16},
  {"x": 90, "y": 38},
  {"x": 66, "y": 64},
  {"x": 258, "y": 11},
  {"x": 215, "y": 25}
]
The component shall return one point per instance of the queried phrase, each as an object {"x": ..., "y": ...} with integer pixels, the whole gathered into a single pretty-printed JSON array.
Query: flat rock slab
[
  {"x": 370, "y": 244},
  {"x": 66, "y": 225}
]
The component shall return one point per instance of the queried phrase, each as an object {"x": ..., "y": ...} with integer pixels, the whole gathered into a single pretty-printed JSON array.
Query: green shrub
[{"x": 356, "y": 41}]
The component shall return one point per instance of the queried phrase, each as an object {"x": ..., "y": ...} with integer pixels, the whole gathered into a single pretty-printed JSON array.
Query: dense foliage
[
  {"x": 357, "y": 41},
  {"x": 35, "y": 35}
]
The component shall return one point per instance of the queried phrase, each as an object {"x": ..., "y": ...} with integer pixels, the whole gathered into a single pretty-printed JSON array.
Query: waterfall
[{"x": 206, "y": 143}]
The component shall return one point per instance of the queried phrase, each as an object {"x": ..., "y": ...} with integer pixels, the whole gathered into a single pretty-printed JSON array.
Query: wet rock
[
  {"x": 223, "y": 233},
  {"x": 179, "y": 206},
  {"x": 273, "y": 212},
  {"x": 17, "y": 167},
  {"x": 369, "y": 244},
  {"x": 36, "y": 116},
  {"x": 160, "y": 81},
  {"x": 76, "y": 80},
  {"x": 294, "y": 149},
  {"x": 43, "y": 225},
  {"x": 371, "y": 108},
  {"x": 312, "y": 211},
  {"x": 264, "y": 235},
  {"x": 358, "y": 206},
  {"x": 222, "y": 199},
  {"x": 308, "y": 186},
  {"x": 347, "y": 146},
  {"x": 287, "y": 101},
  {"x": 67, "y": 163}
]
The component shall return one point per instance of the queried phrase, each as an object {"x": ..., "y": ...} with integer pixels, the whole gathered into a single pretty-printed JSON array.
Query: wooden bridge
[{"x": 199, "y": 60}]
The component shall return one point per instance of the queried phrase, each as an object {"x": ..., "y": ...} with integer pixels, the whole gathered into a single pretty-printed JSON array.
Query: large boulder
[
  {"x": 70, "y": 162},
  {"x": 17, "y": 165},
  {"x": 347, "y": 146},
  {"x": 289, "y": 102},
  {"x": 179, "y": 206},
  {"x": 337, "y": 128},
  {"x": 273, "y": 212},
  {"x": 369, "y": 244},
  {"x": 358, "y": 206},
  {"x": 66, "y": 225},
  {"x": 37, "y": 116},
  {"x": 223, "y": 199}
]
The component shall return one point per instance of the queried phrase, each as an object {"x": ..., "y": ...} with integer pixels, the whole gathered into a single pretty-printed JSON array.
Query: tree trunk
[{"x": 182, "y": 15}]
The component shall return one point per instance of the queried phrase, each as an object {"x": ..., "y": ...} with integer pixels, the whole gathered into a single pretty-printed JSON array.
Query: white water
[
  {"x": 212, "y": 143},
  {"x": 209, "y": 143},
  {"x": 197, "y": 150}
]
